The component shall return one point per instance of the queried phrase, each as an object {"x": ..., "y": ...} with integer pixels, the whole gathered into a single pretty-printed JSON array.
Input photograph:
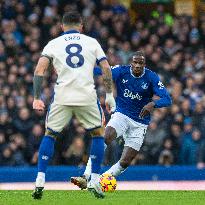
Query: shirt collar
[
  {"x": 136, "y": 76},
  {"x": 71, "y": 31}
]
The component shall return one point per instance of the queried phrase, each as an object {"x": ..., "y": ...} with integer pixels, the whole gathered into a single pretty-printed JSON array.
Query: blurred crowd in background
[{"x": 174, "y": 48}]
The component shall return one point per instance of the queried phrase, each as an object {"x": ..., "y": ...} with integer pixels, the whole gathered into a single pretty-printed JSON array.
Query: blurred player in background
[
  {"x": 136, "y": 85},
  {"x": 73, "y": 56}
]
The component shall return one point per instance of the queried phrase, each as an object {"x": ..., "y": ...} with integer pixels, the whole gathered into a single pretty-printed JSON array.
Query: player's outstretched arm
[
  {"x": 107, "y": 79},
  {"x": 42, "y": 65}
]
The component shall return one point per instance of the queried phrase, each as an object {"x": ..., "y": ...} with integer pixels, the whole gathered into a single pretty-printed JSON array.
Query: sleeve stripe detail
[{"x": 101, "y": 59}]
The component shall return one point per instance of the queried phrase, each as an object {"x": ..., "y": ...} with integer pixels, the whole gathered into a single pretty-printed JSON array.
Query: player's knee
[
  {"x": 108, "y": 139},
  {"x": 110, "y": 134}
]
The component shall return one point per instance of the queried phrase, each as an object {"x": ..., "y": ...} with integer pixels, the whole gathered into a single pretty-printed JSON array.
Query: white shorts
[
  {"x": 133, "y": 132},
  {"x": 58, "y": 116}
]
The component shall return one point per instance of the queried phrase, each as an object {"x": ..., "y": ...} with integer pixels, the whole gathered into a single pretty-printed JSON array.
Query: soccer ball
[{"x": 108, "y": 183}]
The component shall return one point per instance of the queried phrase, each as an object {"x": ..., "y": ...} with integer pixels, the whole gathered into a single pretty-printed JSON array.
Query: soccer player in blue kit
[{"x": 136, "y": 85}]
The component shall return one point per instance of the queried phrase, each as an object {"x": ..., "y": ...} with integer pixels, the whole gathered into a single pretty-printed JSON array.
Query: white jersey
[{"x": 74, "y": 56}]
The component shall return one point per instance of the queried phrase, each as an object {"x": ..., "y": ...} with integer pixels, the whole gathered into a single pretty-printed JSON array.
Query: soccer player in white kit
[{"x": 73, "y": 56}]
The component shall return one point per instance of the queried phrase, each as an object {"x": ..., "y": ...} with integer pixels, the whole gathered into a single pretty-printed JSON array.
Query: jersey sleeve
[
  {"x": 100, "y": 55},
  {"x": 160, "y": 90},
  {"x": 116, "y": 70},
  {"x": 47, "y": 52}
]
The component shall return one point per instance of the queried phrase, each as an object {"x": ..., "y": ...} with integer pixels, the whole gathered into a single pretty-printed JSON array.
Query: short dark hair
[
  {"x": 72, "y": 17},
  {"x": 139, "y": 54}
]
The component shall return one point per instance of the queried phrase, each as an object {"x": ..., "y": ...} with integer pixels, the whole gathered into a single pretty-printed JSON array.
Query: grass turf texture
[{"x": 115, "y": 198}]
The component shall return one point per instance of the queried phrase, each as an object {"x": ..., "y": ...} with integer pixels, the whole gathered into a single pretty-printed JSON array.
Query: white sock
[
  {"x": 115, "y": 170},
  {"x": 40, "y": 180},
  {"x": 88, "y": 168},
  {"x": 87, "y": 171},
  {"x": 105, "y": 146},
  {"x": 94, "y": 178}
]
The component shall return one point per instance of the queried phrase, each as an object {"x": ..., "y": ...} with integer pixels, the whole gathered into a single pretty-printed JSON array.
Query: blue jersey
[{"x": 133, "y": 93}]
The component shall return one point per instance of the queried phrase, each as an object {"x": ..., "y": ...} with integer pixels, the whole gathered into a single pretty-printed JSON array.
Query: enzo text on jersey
[{"x": 73, "y": 56}]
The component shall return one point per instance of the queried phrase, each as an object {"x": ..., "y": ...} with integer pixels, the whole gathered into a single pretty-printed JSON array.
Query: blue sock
[
  {"x": 46, "y": 151},
  {"x": 97, "y": 153}
]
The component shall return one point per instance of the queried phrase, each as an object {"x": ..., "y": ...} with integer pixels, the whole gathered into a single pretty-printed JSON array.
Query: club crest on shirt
[{"x": 144, "y": 86}]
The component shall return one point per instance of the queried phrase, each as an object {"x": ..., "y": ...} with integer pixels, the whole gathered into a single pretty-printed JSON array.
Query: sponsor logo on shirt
[{"x": 129, "y": 94}]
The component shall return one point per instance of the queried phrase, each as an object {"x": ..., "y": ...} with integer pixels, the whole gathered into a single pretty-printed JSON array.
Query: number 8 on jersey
[{"x": 74, "y": 58}]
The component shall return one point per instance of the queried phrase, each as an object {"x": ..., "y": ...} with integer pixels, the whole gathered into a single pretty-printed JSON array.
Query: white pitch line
[{"x": 121, "y": 185}]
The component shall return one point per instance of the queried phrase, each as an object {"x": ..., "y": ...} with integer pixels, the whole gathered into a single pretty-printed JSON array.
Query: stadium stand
[{"x": 174, "y": 49}]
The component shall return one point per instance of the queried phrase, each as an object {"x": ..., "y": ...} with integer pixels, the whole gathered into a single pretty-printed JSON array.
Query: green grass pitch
[{"x": 115, "y": 198}]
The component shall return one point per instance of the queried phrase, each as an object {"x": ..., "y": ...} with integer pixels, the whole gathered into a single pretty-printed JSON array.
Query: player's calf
[
  {"x": 128, "y": 155},
  {"x": 124, "y": 163},
  {"x": 110, "y": 135}
]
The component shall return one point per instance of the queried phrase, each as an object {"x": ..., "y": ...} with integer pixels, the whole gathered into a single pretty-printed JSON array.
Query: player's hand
[
  {"x": 110, "y": 102},
  {"x": 38, "y": 105},
  {"x": 147, "y": 109}
]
